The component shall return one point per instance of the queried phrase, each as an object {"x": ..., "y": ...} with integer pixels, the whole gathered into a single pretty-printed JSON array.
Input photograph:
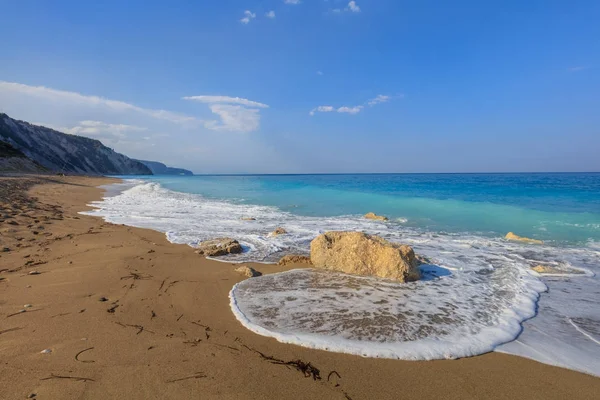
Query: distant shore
[{"x": 118, "y": 312}]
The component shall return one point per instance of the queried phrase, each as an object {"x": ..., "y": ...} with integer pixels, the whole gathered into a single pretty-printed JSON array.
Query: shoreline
[{"x": 171, "y": 333}]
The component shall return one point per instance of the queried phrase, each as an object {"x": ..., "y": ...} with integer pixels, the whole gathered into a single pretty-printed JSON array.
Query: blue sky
[{"x": 269, "y": 86}]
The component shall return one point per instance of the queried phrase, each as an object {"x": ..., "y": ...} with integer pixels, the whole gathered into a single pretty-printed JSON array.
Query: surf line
[{"x": 583, "y": 332}]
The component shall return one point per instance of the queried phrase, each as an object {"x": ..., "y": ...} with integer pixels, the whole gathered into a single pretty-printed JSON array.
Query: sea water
[{"x": 477, "y": 295}]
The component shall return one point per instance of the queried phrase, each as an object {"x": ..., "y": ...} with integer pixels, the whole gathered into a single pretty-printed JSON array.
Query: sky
[{"x": 313, "y": 86}]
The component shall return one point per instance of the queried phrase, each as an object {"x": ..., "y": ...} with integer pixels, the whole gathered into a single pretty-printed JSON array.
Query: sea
[{"x": 478, "y": 293}]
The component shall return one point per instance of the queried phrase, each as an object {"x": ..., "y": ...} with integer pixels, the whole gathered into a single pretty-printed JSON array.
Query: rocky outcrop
[
  {"x": 294, "y": 259},
  {"x": 60, "y": 152},
  {"x": 247, "y": 271},
  {"x": 13, "y": 160},
  {"x": 278, "y": 231},
  {"x": 375, "y": 217},
  {"x": 361, "y": 254},
  {"x": 512, "y": 236},
  {"x": 219, "y": 247},
  {"x": 158, "y": 168}
]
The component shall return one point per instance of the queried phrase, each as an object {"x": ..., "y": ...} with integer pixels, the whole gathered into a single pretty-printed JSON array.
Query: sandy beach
[{"x": 115, "y": 312}]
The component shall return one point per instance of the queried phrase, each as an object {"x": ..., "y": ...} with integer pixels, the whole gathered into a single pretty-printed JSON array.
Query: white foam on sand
[
  {"x": 477, "y": 296},
  {"x": 450, "y": 316}
]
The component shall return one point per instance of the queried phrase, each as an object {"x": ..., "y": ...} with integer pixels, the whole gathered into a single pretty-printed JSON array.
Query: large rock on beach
[
  {"x": 294, "y": 259},
  {"x": 512, "y": 236},
  {"x": 219, "y": 247},
  {"x": 375, "y": 217},
  {"x": 551, "y": 270},
  {"x": 247, "y": 271},
  {"x": 361, "y": 254}
]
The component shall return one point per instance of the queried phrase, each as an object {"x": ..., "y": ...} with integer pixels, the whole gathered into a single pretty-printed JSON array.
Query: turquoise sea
[{"x": 479, "y": 294}]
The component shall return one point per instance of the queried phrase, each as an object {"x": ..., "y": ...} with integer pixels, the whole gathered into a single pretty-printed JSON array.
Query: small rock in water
[
  {"x": 46, "y": 351},
  {"x": 278, "y": 231},
  {"x": 248, "y": 271}
]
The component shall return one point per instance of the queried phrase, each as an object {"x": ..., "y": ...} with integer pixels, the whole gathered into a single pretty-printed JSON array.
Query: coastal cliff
[
  {"x": 158, "y": 168},
  {"x": 61, "y": 152},
  {"x": 13, "y": 160}
]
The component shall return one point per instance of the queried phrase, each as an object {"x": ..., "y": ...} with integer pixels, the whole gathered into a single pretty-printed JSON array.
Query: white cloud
[
  {"x": 270, "y": 14},
  {"x": 353, "y": 7},
  {"x": 248, "y": 15},
  {"x": 226, "y": 100},
  {"x": 8, "y": 89},
  {"x": 578, "y": 69},
  {"x": 350, "y": 110},
  {"x": 292, "y": 2},
  {"x": 379, "y": 99},
  {"x": 236, "y": 114},
  {"x": 354, "y": 109}
]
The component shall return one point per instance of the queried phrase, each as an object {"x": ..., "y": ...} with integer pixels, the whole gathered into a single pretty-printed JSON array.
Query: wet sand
[{"x": 128, "y": 315}]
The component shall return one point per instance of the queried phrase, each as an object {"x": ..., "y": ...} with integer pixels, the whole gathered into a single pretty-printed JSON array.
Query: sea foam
[{"x": 479, "y": 294}]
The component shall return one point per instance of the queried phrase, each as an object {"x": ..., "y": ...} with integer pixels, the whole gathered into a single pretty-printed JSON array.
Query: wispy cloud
[
  {"x": 353, "y": 109},
  {"x": 270, "y": 14},
  {"x": 578, "y": 68},
  {"x": 107, "y": 132},
  {"x": 379, "y": 99},
  {"x": 236, "y": 114},
  {"x": 73, "y": 98},
  {"x": 295, "y": 2},
  {"x": 226, "y": 100},
  {"x": 248, "y": 16},
  {"x": 320, "y": 73},
  {"x": 351, "y": 7}
]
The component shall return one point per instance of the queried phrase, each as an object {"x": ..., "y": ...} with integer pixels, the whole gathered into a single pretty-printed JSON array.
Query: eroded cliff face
[
  {"x": 13, "y": 160},
  {"x": 61, "y": 152}
]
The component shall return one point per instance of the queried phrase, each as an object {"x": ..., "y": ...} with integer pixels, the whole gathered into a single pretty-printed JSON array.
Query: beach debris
[
  {"x": 102, "y": 299},
  {"x": 112, "y": 309},
  {"x": 27, "y": 306},
  {"x": 294, "y": 259},
  {"x": 358, "y": 253},
  {"x": 34, "y": 273},
  {"x": 46, "y": 351},
  {"x": 197, "y": 375},
  {"x": 5, "y": 249},
  {"x": 248, "y": 219},
  {"x": 17, "y": 313},
  {"x": 512, "y": 236},
  {"x": 81, "y": 352},
  {"x": 151, "y": 251},
  {"x": 10, "y": 330},
  {"x": 219, "y": 247},
  {"x": 373, "y": 216},
  {"x": 140, "y": 328},
  {"x": 31, "y": 395},
  {"x": 307, "y": 369},
  {"x": 248, "y": 271},
  {"x": 278, "y": 231},
  {"x": 75, "y": 378}
]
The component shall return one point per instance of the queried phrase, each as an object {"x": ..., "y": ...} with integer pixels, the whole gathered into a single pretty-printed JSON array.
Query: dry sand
[{"x": 128, "y": 315}]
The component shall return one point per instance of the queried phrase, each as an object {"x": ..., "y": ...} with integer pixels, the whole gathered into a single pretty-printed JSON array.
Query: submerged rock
[
  {"x": 376, "y": 217},
  {"x": 361, "y": 254},
  {"x": 248, "y": 219},
  {"x": 248, "y": 271},
  {"x": 219, "y": 247},
  {"x": 550, "y": 270},
  {"x": 294, "y": 259},
  {"x": 278, "y": 231},
  {"x": 512, "y": 236}
]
